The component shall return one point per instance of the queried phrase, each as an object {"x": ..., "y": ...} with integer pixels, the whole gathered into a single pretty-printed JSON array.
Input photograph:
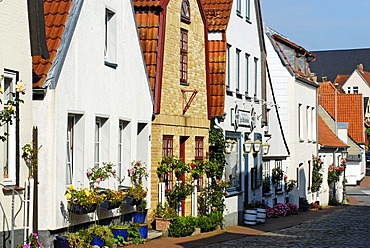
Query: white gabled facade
[
  {"x": 102, "y": 89},
  {"x": 15, "y": 65},
  {"x": 244, "y": 98},
  {"x": 356, "y": 82},
  {"x": 296, "y": 96}
]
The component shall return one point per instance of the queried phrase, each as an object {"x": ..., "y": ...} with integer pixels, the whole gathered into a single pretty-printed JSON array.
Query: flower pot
[
  {"x": 97, "y": 241},
  {"x": 261, "y": 215},
  {"x": 129, "y": 201},
  {"x": 120, "y": 232},
  {"x": 107, "y": 205},
  {"x": 250, "y": 217},
  {"x": 62, "y": 242},
  {"x": 143, "y": 231},
  {"x": 78, "y": 209},
  {"x": 139, "y": 217},
  {"x": 162, "y": 224}
]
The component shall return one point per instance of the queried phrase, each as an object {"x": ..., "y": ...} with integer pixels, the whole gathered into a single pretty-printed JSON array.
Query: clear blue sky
[{"x": 320, "y": 24}]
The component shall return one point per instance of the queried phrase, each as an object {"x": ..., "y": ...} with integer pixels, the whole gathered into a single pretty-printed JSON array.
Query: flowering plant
[
  {"x": 277, "y": 176},
  {"x": 289, "y": 184},
  {"x": 138, "y": 192},
  {"x": 8, "y": 113},
  {"x": 334, "y": 173},
  {"x": 138, "y": 172},
  {"x": 114, "y": 197},
  {"x": 32, "y": 242},
  {"x": 282, "y": 209},
  {"x": 197, "y": 169},
  {"x": 84, "y": 197},
  {"x": 98, "y": 174}
]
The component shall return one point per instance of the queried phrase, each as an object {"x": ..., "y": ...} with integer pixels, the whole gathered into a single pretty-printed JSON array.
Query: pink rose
[
  {"x": 89, "y": 172},
  {"x": 113, "y": 172},
  {"x": 131, "y": 171},
  {"x": 98, "y": 180}
]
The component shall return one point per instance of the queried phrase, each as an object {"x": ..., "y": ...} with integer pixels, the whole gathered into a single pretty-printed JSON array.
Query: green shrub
[
  {"x": 133, "y": 234},
  {"x": 210, "y": 222},
  {"x": 182, "y": 226}
]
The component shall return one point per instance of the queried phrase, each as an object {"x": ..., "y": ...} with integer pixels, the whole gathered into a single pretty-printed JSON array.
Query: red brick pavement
[{"x": 236, "y": 232}]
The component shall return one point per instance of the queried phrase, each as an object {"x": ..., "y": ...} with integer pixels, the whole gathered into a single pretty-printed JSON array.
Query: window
[
  {"x": 110, "y": 37},
  {"x": 70, "y": 146},
  {"x": 313, "y": 124},
  {"x": 238, "y": 7},
  {"x": 247, "y": 9},
  {"x": 355, "y": 89},
  {"x": 74, "y": 148},
  {"x": 228, "y": 66},
  {"x": 238, "y": 70},
  {"x": 300, "y": 122},
  {"x": 185, "y": 11},
  {"x": 198, "y": 148},
  {"x": 184, "y": 57},
  {"x": 97, "y": 142},
  {"x": 309, "y": 175},
  {"x": 232, "y": 168},
  {"x": 308, "y": 123},
  {"x": 8, "y": 158},
  {"x": 266, "y": 169},
  {"x": 123, "y": 147},
  {"x": 349, "y": 90},
  {"x": 167, "y": 151},
  {"x": 246, "y": 74},
  {"x": 278, "y": 165},
  {"x": 255, "y": 77}
]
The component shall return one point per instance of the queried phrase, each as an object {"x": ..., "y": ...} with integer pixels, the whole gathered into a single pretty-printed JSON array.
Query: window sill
[
  {"x": 184, "y": 83},
  {"x": 248, "y": 20},
  {"x": 229, "y": 92},
  {"x": 238, "y": 13},
  {"x": 8, "y": 190},
  {"x": 233, "y": 193},
  {"x": 239, "y": 95},
  {"x": 110, "y": 64}
]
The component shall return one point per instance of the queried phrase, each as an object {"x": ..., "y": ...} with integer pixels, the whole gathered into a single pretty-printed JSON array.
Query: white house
[
  {"x": 296, "y": 95},
  {"x": 245, "y": 111},
  {"x": 92, "y": 102},
  {"x": 16, "y": 47}
]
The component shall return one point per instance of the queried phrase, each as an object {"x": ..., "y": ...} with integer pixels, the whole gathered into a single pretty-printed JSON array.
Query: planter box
[
  {"x": 77, "y": 209},
  {"x": 162, "y": 224},
  {"x": 106, "y": 205}
]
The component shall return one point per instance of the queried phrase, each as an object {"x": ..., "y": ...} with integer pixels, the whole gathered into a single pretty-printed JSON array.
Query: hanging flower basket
[{"x": 78, "y": 209}]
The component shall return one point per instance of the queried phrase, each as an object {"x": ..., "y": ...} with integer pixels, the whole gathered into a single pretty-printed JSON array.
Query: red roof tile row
[
  {"x": 218, "y": 13},
  {"x": 326, "y": 135},
  {"x": 56, "y": 15}
]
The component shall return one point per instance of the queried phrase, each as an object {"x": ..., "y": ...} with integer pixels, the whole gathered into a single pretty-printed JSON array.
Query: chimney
[
  {"x": 324, "y": 79},
  {"x": 314, "y": 76},
  {"x": 360, "y": 67}
]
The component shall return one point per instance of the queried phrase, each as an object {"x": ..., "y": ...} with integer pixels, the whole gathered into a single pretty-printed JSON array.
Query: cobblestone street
[{"x": 348, "y": 227}]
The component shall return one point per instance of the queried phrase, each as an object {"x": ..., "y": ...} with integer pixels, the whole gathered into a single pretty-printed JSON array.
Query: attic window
[{"x": 185, "y": 11}]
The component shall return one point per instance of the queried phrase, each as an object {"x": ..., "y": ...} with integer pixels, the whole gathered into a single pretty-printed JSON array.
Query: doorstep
[{"x": 153, "y": 234}]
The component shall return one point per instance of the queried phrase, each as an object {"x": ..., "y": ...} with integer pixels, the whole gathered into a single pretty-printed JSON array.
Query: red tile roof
[
  {"x": 327, "y": 138},
  {"x": 146, "y": 3},
  {"x": 344, "y": 108},
  {"x": 56, "y": 15},
  {"x": 341, "y": 79},
  {"x": 327, "y": 88},
  {"x": 218, "y": 13},
  {"x": 365, "y": 75}
]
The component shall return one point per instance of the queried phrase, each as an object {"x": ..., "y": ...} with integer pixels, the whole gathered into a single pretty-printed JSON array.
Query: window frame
[
  {"x": 184, "y": 52},
  {"x": 239, "y": 7},
  {"x": 71, "y": 123},
  {"x": 279, "y": 164},
  {"x": 355, "y": 90},
  {"x": 228, "y": 67},
  {"x": 238, "y": 70},
  {"x": 184, "y": 17},
  {"x": 256, "y": 77},
  {"x": 110, "y": 38},
  {"x": 167, "y": 151},
  {"x": 199, "y": 148},
  {"x": 247, "y": 56},
  {"x": 248, "y": 10},
  {"x": 97, "y": 141},
  {"x": 237, "y": 185},
  {"x": 300, "y": 122},
  {"x": 12, "y": 177}
]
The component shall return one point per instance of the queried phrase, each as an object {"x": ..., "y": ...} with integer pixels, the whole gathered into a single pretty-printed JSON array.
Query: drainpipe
[{"x": 334, "y": 158}]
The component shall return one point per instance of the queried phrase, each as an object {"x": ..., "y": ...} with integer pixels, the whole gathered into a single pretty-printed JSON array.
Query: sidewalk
[{"x": 235, "y": 232}]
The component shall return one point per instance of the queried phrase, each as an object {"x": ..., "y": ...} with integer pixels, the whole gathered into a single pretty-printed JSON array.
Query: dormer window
[{"x": 185, "y": 11}]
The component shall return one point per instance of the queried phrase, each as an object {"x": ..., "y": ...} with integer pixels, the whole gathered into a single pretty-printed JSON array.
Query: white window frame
[
  {"x": 256, "y": 77},
  {"x": 238, "y": 7},
  {"x": 355, "y": 89},
  {"x": 349, "y": 90},
  {"x": 248, "y": 10},
  {"x": 9, "y": 146},
  {"x": 110, "y": 35},
  {"x": 300, "y": 122},
  {"x": 308, "y": 123},
  {"x": 97, "y": 141},
  {"x": 238, "y": 70},
  {"x": 313, "y": 124},
  {"x": 247, "y": 74},
  {"x": 228, "y": 66},
  {"x": 70, "y": 147}
]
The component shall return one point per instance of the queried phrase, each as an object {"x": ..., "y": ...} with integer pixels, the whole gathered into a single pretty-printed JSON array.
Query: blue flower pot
[
  {"x": 120, "y": 232},
  {"x": 62, "y": 242},
  {"x": 139, "y": 217},
  {"x": 97, "y": 241},
  {"x": 144, "y": 231},
  {"x": 129, "y": 200}
]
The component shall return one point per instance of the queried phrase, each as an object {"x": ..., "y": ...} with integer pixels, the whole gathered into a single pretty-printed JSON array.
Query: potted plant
[
  {"x": 82, "y": 201},
  {"x": 134, "y": 235},
  {"x": 163, "y": 215},
  {"x": 120, "y": 230},
  {"x": 98, "y": 174},
  {"x": 138, "y": 172},
  {"x": 99, "y": 234},
  {"x": 137, "y": 193},
  {"x": 112, "y": 199},
  {"x": 141, "y": 212},
  {"x": 32, "y": 242}
]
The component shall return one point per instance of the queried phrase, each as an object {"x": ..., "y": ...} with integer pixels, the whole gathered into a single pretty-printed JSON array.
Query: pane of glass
[{"x": 8, "y": 89}]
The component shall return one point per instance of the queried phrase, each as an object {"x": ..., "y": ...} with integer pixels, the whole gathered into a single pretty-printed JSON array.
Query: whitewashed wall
[{"x": 89, "y": 88}]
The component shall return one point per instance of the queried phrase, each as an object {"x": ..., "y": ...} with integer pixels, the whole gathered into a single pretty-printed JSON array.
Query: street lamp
[
  {"x": 247, "y": 146},
  {"x": 257, "y": 146},
  {"x": 265, "y": 148}
]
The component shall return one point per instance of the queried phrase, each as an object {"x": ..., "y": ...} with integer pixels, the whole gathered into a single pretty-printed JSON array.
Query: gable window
[
  {"x": 228, "y": 66},
  {"x": 255, "y": 77},
  {"x": 185, "y": 11},
  {"x": 246, "y": 74},
  {"x": 247, "y": 9},
  {"x": 238, "y": 70},
  {"x": 8, "y": 158},
  {"x": 355, "y": 89},
  {"x": 238, "y": 7},
  {"x": 110, "y": 38},
  {"x": 349, "y": 90},
  {"x": 184, "y": 56}
]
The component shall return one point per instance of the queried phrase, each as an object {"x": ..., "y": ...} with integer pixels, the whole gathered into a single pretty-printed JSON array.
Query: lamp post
[{"x": 344, "y": 156}]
